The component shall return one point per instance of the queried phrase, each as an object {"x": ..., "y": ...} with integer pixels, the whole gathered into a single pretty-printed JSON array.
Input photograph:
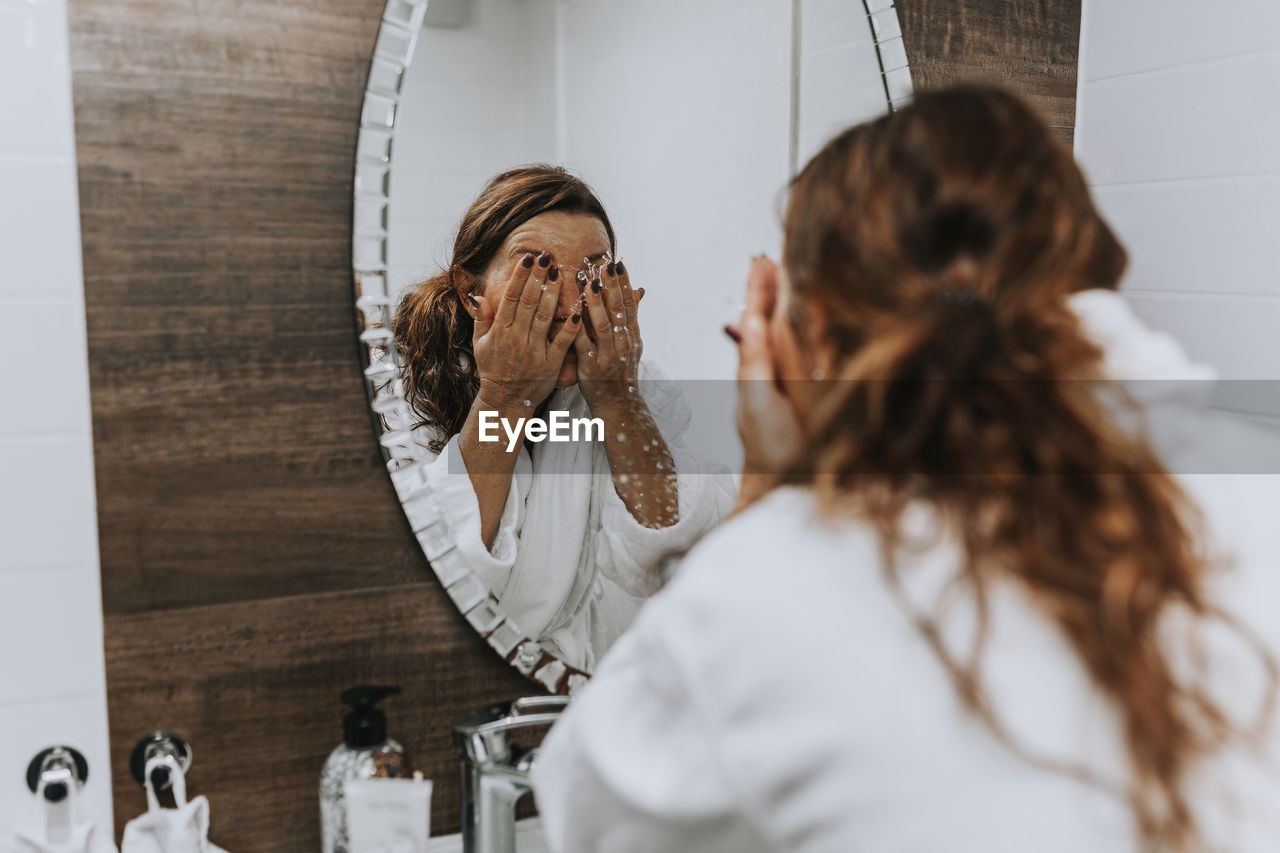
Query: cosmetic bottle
[{"x": 365, "y": 753}]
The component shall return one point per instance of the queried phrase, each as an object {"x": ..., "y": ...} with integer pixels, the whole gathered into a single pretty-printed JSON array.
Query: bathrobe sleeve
[
  {"x": 450, "y": 486},
  {"x": 632, "y": 767},
  {"x": 626, "y": 549}
]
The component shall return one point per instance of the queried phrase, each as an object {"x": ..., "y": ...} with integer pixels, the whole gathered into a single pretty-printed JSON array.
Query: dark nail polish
[
  {"x": 733, "y": 334},
  {"x": 553, "y": 273},
  {"x": 595, "y": 286},
  {"x": 528, "y": 262},
  {"x": 576, "y": 319},
  {"x": 613, "y": 268},
  {"x": 622, "y": 269},
  {"x": 472, "y": 300},
  {"x": 544, "y": 260}
]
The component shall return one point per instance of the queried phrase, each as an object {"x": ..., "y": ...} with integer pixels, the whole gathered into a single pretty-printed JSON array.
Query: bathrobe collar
[{"x": 1131, "y": 349}]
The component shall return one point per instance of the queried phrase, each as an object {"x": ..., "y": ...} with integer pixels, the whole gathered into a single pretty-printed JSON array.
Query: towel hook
[
  {"x": 159, "y": 744},
  {"x": 55, "y": 767}
]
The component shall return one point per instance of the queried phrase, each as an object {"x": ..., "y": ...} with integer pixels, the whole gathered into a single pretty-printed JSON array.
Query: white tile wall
[
  {"x": 1200, "y": 120},
  {"x": 446, "y": 147},
  {"x": 53, "y": 688},
  {"x": 1142, "y": 35},
  {"x": 1178, "y": 128},
  {"x": 840, "y": 81},
  {"x": 682, "y": 127}
]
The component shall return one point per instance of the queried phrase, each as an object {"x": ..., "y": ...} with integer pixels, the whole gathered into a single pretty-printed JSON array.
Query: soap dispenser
[{"x": 365, "y": 753}]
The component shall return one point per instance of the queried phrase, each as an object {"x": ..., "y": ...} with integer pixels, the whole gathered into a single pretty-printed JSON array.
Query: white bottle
[
  {"x": 389, "y": 815},
  {"x": 365, "y": 753}
]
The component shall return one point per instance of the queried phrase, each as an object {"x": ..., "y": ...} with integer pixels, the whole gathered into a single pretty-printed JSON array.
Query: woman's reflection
[{"x": 532, "y": 317}]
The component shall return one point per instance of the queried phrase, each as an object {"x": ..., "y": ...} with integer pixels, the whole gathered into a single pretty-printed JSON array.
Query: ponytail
[
  {"x": 433, "y": 334},
  {"x": 940, "y": 243}
]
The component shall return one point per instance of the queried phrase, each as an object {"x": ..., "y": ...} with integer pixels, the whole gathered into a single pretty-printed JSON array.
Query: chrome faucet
[{"x": 495, "y": 771}]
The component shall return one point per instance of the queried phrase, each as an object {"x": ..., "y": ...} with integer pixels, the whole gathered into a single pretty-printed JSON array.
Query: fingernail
[
  {"x": 639, "y": 292},
  {"x": 595, "y": 286},
  {"x": 576, "y": 319},
  {"x": 554, "y": 273},
  {"x": 472, "y": 300},
  {"x": 612, "y": 268},
  {"x": 622, "y": 269},
  {"x": 733, "y": 334},
  {"x": 528, "y": 262},
  {"x": 544, "y": 260}
]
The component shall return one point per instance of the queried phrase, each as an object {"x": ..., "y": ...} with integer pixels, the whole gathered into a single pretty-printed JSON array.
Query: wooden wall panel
[
  {"x": 1030, "y": 46},
  {"x": 255, "y": 560}
]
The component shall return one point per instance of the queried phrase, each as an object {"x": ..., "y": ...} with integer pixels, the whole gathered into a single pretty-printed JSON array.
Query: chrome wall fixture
[
  {"x": 55, "y": 771},
  {"x": 159, "y": 760}
]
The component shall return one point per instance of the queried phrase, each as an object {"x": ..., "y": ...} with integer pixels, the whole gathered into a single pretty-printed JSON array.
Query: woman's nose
[{"x": 568, "y": 299}]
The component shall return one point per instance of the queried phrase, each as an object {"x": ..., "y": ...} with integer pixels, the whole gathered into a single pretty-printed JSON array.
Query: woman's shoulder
[{"x": 759, "y": 576}]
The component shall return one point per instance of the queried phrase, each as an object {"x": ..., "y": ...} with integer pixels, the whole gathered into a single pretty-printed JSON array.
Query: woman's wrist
[
  {"x": 495, "y": 453},
  {"x": 621, "y": 406},
  {"x": 507, "y": 403}
]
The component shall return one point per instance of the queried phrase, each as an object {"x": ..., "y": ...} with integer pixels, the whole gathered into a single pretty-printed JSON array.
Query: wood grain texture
[
  {"x": 1029, "y": 46},
  {"x": 255, "y": 559}
]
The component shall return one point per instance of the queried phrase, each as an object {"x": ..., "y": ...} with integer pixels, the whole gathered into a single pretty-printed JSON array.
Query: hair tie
[{"x": 959, "y": 295}]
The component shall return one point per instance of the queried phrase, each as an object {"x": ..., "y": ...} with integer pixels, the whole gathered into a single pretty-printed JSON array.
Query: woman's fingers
[
  {"x": 535, "y": 287},
  {"x": 613, "y": 294},
  {"x": 509, "y": 300},
  {"x": 762, "y": 287},
  {"x": 568, "y": 335},
  {"x": 755, "y": 351},
  {"x": 598, "y": 315},
  {"x": 482, "y": 316},
  {"x": 583, "y": 345},
  {"x": 545, "y": 313},
  {"x": 629, "y": 296},
  {"x": 624, "y": 332}
]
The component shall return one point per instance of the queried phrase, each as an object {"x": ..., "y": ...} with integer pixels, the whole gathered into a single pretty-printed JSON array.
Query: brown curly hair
[
  {"x": 433, "y": 329},
  {"x": 939, "y": 242}
]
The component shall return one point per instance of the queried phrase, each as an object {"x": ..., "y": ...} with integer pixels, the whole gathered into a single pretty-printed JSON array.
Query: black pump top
[{"x": 366, "y": 725}]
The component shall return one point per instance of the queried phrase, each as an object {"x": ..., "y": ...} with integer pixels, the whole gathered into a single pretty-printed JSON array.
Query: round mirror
[{"x": 686, "y": 132}]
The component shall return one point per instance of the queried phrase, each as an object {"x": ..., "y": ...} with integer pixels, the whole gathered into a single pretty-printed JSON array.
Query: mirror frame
[{"x": 380, "y": 360}]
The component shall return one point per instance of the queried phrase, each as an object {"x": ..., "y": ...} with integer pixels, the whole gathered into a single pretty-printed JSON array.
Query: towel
[
  {"x": 184, "y": 829},
  {"x": 84, "y": 838}
]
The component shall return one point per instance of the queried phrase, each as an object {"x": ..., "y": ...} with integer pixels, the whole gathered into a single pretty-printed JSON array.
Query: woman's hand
[
  {"x": 609, "y": 348},
  {"x": 516, "y": 362},
  {"x": 767, "y": 423}
]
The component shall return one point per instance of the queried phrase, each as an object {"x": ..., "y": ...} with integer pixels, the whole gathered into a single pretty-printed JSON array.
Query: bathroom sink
[{"x": 529, "y": 839}]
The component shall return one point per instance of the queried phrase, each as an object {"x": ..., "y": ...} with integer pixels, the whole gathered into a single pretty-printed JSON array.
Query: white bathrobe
[
  {"x": 775, "y": 696},
  {"x": 569, "y": 563}
]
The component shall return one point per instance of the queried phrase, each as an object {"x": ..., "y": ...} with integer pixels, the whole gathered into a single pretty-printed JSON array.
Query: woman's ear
[
  {"x": 814, "y": 330},
  {"x": 463, "y": 281}
]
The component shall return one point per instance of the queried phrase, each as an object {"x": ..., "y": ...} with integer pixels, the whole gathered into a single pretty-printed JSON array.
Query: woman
[
  {"x": 534, "y": 316},
  {"x": 963, "y": 605}
]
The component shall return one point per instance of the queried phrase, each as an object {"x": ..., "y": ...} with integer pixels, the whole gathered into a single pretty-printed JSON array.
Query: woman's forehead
[{"x": 569, "y": 236}]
